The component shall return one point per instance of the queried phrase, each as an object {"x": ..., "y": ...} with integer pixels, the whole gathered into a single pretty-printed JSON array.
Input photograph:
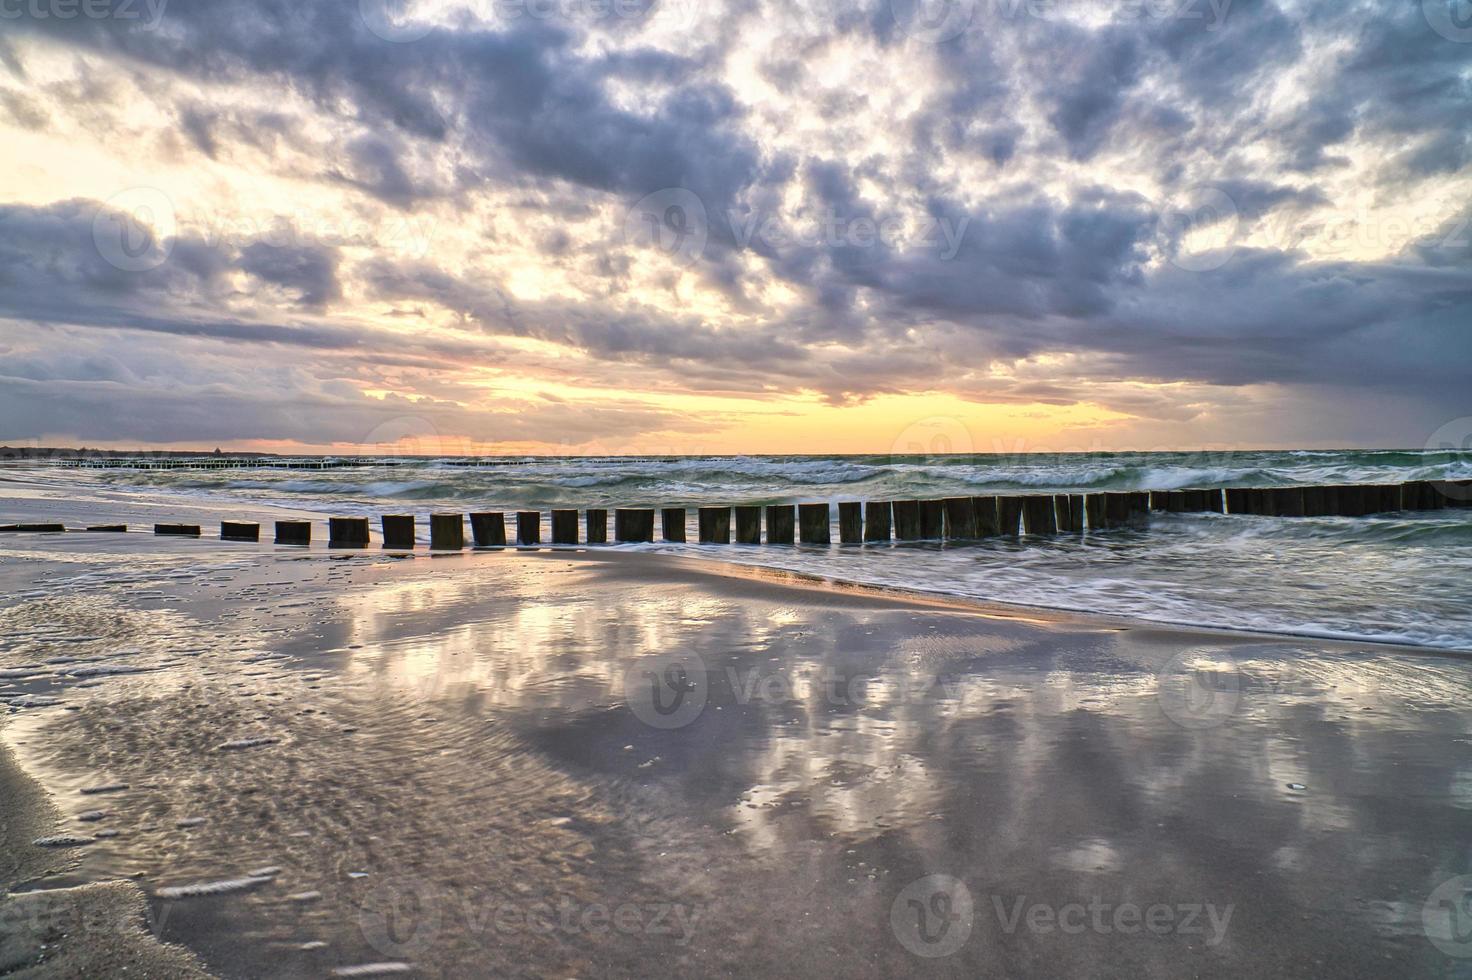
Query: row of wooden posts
[{"x": 953, "y": 518}]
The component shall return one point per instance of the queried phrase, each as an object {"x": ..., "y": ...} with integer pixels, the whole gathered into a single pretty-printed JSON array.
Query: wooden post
[
  {"x": 988, "y": 524},
  {"x": 1288, "y": 501},
  {"x": 1139, "y": 509},
  {"x": 398, "y": 531},
  {"x": 906, "y": 520},
  {"x": 595, "y": 525},
  {"x": 715, "y": 525},
  {"x": 1160, "y": 500},
  {"x": 342, "y": 532},
  {"x": 123, "y": 528},
  {"x": 1116, "y": 510},
  {"x": 1037, "y": 513},
  {"x": 1391, "y": 498},
  {"x": 178, "y": 530},
  {"x": 813, "y": 524},
  {"x": 1313, "y": 501},
  {"x": 60, "y": 528},
  {"x": 633, "y": 525},
  {"x": 1216, "y": 501},
  {"x": 748, "y": 525},
  {"x": 1351, "y": 500},
  {"x": 1096, "y": 507},
  {"x": 672, "y": 523},
  {"x": 781, "y": 523},
  {"x": 1236, "y": 500},
  {"x": 489, "y": 529},
  {"x": 529, "y": 527},
  {"x": 1009, "y": 515},
  {"x": 877, "y": 514},
  {"x": 932, "y": 520},
  {"x": 564, "y": 526},
  {"x": 850, "y": 522},
  {"x": 239, "y": 531},
  {"x": 1063, "y": 508},
  {"x": 961, "y": 518},
  {"x": 446, "y": 532},
  {"x": 300, "y": 533}
]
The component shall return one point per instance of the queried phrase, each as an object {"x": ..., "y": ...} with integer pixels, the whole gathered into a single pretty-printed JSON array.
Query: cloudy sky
[{"x": 735, "y": 225}]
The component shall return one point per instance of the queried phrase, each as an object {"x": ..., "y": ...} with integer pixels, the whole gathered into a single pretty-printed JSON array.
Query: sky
[{"x": 707, "y": 226}]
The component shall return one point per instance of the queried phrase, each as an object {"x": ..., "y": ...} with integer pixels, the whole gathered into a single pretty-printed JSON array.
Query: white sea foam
[
  {"x": 245, "y": 743},
  {"x": 372, "y": 970},
  {"x": 63, "y": 840}
]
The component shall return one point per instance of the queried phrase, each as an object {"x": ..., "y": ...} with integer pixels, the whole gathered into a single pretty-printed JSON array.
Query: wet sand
[{"x": 609, "y": 764}]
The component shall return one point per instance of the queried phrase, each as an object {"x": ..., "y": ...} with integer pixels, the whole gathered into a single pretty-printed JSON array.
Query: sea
[{"x": 1396, "y": 578}]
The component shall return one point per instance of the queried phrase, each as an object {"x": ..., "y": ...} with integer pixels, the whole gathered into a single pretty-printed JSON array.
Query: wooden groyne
[{"x": 858, "y": 522}]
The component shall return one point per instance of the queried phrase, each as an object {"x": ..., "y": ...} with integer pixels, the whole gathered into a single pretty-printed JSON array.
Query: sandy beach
[{"x": 253, "y": 761}]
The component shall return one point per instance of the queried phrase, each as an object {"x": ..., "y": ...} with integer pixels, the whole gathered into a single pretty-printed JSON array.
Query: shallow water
[
  {"x": 477, "y": 764},
  {"x": 1399, "y": 578}
]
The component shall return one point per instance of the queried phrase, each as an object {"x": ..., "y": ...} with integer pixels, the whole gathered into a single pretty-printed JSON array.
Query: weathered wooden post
[
  {"x": 398, "y": 531},
  {"x": 446, "y": 532},
  {"x": 877, "y": 514},
  {"x": 906, "y": 520},
  {"x": 781, "y": 523},
  {"x": 850, "y": 522},
  {"x": 1096, "y": 506},
  {"x": 1160, "y": 500},
  {"x": 1288, "y": 501},
  {"x": 1076, "y": 513},
  {"x": 960, "y": 518},
  {"x": 239, "y": 531},
  {"x": 300, "y": 533},
  {"x": 1313, "y": 501},
  {"x": 114, "y": 528},
  {"x": 1009, "y": 515},
  {"x": 932, "y": 520},
  {"x": 564, "y": 526},
  {"x": 595, "y": 526},
  {"x": 174, "y": 530},
  {"x": 528, "y": 527},
  {"x": 988, "y": 524},
  {"x": 1390, "y": 498},
  {"x": 489, "y": 529},
  {"x": 342, "y": 532},
  {"x": 1037, "y": 512},
  {"x": 1116, "y": 510},
  {"x": 1063, "y": 509},
  {"x": 672, "y": 524},
  {"x": 715, "y": 525},
  {"x": 748, "y": 525},
  {"x": 633, "y": 525},
  {"x": 1236, "y": 500},
  {"x": 814, "y": 524},
  {"x": 1139, "y": 509}
]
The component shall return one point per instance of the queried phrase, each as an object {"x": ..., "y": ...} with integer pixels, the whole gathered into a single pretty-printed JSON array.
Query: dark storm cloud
[{"x": 1261, "y": 102}]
